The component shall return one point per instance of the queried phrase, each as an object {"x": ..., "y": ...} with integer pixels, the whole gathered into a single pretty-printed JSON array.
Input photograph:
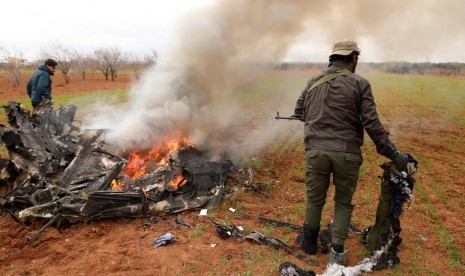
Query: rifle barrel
[
  {"x": 286, "y": 118},
  {"x": 277, "y": 117}
]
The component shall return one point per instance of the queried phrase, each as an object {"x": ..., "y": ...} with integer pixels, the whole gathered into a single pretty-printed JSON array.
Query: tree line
[
  {"x": 421, "y": 68},
  {"x": 107, "y": 60}
]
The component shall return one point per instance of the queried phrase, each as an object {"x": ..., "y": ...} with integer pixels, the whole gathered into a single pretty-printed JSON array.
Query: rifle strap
[{"x": 324, "y": 79}]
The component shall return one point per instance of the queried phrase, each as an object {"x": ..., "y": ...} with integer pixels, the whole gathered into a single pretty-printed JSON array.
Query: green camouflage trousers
[{"x": 344, "y": 168}]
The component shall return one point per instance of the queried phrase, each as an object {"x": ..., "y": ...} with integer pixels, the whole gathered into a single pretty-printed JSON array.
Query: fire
[
  {"x": 117, "y": 185},
  {"x": 177, "y": 182},
  {"x": 136, "y": 166}
]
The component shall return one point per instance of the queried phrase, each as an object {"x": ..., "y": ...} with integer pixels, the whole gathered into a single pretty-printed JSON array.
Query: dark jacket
[
  {"x": 39, "y": 86},
  {"x": 337, "y": 111}
]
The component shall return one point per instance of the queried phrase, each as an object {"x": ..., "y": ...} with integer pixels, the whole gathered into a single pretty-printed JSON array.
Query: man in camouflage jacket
[{"x": 336, "y": 107}]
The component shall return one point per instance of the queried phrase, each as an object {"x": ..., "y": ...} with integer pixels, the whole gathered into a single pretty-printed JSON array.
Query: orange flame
[
  {"x": 136, "y": 166},
  {"x": 177, "y": 182},
  {"x": 117, "y": 185}
]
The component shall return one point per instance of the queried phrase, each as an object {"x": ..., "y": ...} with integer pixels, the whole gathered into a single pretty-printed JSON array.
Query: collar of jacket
[
  {"x": 337, "y": 65},
  {"x": 45, "y": 68}
]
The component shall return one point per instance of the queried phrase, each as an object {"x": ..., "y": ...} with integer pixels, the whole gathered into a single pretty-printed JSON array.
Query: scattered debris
[
  {"x": 203, "y": 212},
  {"x": 226, "y": 232},
  {"x": 278, "y": 244},
  {"x": 248, "y": 182},
  {"x": 232, "y": 231},
  {"x": 282, "y": 224},
  {"x": 178, "y": 220},
  {"x": 422, "y": 238},
  {"x": 48, "y": 224},
  {"x": 164, "y": 240},
  {"x": 290, "y": 269}
]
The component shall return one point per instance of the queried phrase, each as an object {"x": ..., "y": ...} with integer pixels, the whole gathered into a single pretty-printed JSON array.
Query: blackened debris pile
[
  {"x": 383, "y": 238},
  {"x": 57, "y": 170}
]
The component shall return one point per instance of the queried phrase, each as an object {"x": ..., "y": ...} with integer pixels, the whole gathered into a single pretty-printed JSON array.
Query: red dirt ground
[
  {"x": 123, "y": 246},
  {"x": 93, "y": 82}
]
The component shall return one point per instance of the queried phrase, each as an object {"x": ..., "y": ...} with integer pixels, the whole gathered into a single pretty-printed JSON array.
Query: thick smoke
[
  {"x": 189, "y": 89},
  {"x": 395, "y": 30}
]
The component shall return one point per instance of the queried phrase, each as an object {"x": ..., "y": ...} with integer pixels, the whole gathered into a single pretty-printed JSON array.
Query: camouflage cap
[{"x": 345, "y": 47}]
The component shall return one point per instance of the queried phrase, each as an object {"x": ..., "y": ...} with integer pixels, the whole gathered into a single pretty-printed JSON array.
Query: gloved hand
[
  {"x": 388, "y": 149},
  {"x": 299, "y": 117},
  {"x": 400, "y": 160}
]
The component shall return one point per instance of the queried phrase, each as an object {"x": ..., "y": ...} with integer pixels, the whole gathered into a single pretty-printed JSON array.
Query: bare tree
[
  {"x": 63, "y": 56},
  {"x": 13, "y": 62},
  {"x": 93, "y": 65},
  {"x": 82, "y": 62},
  {"x": 138, "y": 62},
  {"x": 101, "y": 62},
  {"x": 108, "y": 61}
]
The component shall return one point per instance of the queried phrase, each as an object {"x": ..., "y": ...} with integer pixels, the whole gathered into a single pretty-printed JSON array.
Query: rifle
[{"x": 277, "y": 117}]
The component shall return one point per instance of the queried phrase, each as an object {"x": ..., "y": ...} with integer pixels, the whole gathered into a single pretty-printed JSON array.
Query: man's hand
[
  {"x": 400, "y": 160},
  {"x": 388, "y": 149},
  {"x": 299, "y": 117}
]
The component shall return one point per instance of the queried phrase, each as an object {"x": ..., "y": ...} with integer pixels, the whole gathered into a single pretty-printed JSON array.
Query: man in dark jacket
[
  {"x": 337, "y": 106},
  {"x": 39, "y": 87}
]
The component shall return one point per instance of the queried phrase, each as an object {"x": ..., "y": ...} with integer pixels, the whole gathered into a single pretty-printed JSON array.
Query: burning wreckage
[{"x": 58, "y": 171}]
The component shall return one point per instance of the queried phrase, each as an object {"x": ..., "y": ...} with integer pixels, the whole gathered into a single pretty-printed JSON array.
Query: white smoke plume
[{"x": 214, "y": 50}]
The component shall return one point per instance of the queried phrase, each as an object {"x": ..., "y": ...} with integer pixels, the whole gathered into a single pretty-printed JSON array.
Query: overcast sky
[
  {"x": 133, "y": 26},
  {"x": 412, "y": 30}
]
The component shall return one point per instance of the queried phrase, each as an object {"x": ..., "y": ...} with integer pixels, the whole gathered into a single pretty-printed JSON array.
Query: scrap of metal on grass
[
  {"x": 248, "y": 182},
  {"x": 178, "y": 220},
  {"x": 278, "y": 244},
  {"x": 290, "y": 269},
  {"x": 164, "y": 240}
]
